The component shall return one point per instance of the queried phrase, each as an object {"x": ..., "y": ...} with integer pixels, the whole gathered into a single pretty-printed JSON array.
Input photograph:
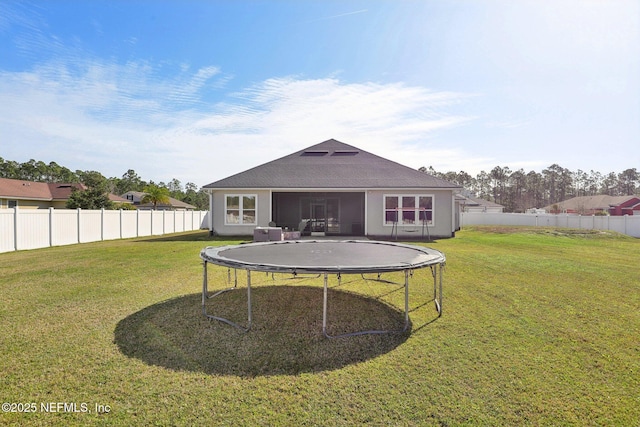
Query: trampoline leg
[
  {"x": 406, "y": 300},
  {"x": 324, "y": 307},
  {"x": 249, "y": 317},
  {"x": 205, "y": 296},
  {"x": 204, "y": 287},
  {"x": 440, "y": 267},
  {"x": 370, "y": 332},
  {"x": 436, "y": 271}
]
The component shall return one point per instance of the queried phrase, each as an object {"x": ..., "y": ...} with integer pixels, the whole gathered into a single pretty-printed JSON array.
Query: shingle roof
[
  {"x": 46, "y": 191},
  {"x": 175, "y": 203},
  {"x": 331, "y": 164},
  {"x": 24, "y": 189},
  {"x": 472, "y": 201},
  {"x": 29, "y": 190},
  {"x": 598, "y": 202}
]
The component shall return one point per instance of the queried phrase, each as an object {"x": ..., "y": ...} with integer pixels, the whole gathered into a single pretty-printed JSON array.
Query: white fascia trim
[
  {"x": 37, "y": 199},
  {"x": 332, "y": 189}
]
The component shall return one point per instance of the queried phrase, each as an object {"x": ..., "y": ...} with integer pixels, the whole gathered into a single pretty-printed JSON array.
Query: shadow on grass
[{"x": 286, "y": 337}]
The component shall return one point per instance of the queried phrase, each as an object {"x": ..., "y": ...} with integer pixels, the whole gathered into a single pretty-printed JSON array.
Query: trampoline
[{"x": 324, "y": 257}]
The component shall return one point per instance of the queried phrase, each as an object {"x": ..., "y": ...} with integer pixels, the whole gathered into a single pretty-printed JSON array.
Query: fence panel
[
  {"x": 64, "y": 224},
  {"x": 169, "y": 222},
  {"x": 7, "y": 230},
  {"x": 32, "y": 229},
  {"x": 90, "y": 226},
  {"x": 39, "y": 228},
  {"x": 129, "y": 224},
  {"x": 179, "y": 220},
  {"x": 204, "y": 219},
  {"x": 629, "y": 225},
  {"x": 111, "y": 225},
  {"x": 157, "y": 223},
  {"x": 144, "y": 223},
  {"x": 189, "y": 223}
]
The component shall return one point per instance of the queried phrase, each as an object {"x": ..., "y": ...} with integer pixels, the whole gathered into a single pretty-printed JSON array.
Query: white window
[
  {"x": 408, "y": 209},
  {"x": 240, "y": 209}
]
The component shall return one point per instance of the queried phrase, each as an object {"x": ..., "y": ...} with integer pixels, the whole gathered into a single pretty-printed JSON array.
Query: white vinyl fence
[
  {"x": 39, "y": 228},
  {"x": 629, "y": 225}
]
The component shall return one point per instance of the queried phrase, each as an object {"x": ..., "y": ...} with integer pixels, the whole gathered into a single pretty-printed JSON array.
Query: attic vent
[
  {"x": 345, "y": 152},
  {"x": 315, "y": 153}
]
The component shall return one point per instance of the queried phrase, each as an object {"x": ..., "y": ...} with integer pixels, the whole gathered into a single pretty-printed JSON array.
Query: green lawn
[{"x": 540, "y": 327}]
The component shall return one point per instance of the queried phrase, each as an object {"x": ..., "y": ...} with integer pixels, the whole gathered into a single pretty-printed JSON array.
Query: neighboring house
[
  {"x": 39, "y": 195},
  {"x": 333, "y": 189},
  {"x": 471, "y": 204},
  {"x": 598, "y": 205},
  {"x": 136, "y": 197}
]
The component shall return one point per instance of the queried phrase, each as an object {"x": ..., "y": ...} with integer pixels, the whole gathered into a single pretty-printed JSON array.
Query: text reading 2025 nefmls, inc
[{"x": 55, "y": 407}]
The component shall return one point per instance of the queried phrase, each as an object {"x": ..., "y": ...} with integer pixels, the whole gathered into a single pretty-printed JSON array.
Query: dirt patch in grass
[{"x": 553, "y": 231}]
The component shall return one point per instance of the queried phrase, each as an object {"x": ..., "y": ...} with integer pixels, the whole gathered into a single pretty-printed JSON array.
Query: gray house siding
[
  {"x": 219, "y": 216},
  {"x": 359, "y": 213},
  {"x": 443, "y": 225}
]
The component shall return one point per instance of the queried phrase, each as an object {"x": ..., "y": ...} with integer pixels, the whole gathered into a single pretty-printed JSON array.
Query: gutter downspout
[{"x": 211, "y": 231}]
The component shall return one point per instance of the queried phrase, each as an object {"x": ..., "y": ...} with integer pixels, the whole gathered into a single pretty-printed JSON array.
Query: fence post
[
  {"x": 78, "y": 223},
  {"x": 15, "y": 228},
  {"x": 50, "y": 226},
  {"x": 102, "y": 225}
]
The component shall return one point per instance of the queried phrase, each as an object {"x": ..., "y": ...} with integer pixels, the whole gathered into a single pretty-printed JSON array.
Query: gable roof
[
  {"x": 601, "y": 202},
  {"x": 45, "y": 191},
  {"x": 19, "y": 189},
  {"x": 30, "y": 190},
  {"x": 137, "y": 196},
  {"x": 475, "y": 202},
  {"x": 331, "y": 164}
]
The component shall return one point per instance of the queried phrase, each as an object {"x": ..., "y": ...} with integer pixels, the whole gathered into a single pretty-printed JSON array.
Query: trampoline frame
[{"x": 436, "y": 266}]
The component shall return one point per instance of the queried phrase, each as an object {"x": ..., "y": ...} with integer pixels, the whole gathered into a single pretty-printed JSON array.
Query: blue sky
[{"x": 200, "y": 90}]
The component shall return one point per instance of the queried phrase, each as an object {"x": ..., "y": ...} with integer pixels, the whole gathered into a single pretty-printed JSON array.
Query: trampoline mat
[{"x": 323, "y": 256}]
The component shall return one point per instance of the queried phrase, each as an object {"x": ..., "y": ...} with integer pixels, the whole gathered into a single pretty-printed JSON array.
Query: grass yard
[{"x": 540, "y": 327}]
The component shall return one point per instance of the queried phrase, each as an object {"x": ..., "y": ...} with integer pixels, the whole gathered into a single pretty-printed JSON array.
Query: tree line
[
  {"x": 518, "y": 190},
  {"x": 95, "y": 196}
]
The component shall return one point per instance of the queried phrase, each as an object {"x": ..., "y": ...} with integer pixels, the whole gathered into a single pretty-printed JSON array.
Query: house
[
  {"x": 472, "y": 204},
  {"x": 333, "y": 189},
  {"x": 625, "y": 205},
  {"x": 39, "y": 195},
  {"x": 136, "y": 197},
  {"x": 598, "y": 205}
]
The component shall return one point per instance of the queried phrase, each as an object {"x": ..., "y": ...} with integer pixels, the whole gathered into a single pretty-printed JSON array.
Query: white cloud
[{"x": 113, "y": 117}]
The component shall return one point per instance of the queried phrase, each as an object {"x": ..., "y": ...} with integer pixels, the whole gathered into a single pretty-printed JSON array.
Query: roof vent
[
  {"x": 345, "y": 152},
  {"x": 315, "y": 153}
]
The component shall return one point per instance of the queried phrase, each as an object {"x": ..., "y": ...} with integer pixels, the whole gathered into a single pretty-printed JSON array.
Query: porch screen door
[{"x": 318, "y": 217}]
